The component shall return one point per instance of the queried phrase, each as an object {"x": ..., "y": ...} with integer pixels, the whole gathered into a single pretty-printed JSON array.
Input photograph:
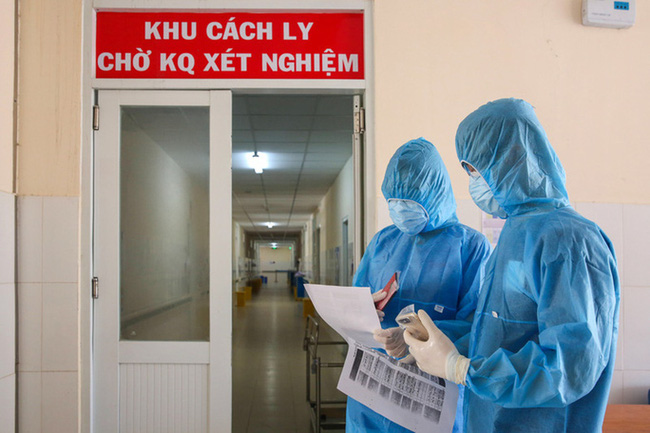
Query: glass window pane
[{"x": 164, "y": 229}]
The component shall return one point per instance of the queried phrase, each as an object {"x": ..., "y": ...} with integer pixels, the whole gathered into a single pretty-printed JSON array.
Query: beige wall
[
  {"x": 7, "y": 95},
  {"x": 49, "y": 98},
  {"x": 279, "y": 259},
  {"x": 436, "y": 62},
  {"x": 338, "y": 204}
]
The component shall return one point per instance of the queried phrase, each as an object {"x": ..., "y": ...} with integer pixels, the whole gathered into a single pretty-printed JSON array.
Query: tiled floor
[{"x": 269, "y": 365}]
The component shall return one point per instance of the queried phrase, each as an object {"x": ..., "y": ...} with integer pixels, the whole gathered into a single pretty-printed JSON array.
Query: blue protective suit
[
  {"x": 543, "y": 341},
  {"x": 440, "y": 267}
]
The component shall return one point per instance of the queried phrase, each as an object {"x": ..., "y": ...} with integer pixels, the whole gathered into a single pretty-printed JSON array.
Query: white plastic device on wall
[{"x": 609, "y": 13}]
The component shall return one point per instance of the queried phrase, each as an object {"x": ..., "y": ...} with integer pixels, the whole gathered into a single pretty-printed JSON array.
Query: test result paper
[
  {"x": 348, "y": 310},
  {"x": 402, "y": 393}
]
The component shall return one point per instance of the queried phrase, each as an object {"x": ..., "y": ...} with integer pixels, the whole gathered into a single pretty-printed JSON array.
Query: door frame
[
  {"x": 90, "y": 86},
  {"x": 113, "y": 351}
]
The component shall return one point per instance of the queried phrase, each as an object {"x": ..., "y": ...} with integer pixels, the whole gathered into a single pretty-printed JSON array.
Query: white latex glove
[
  {"x": 376, "y": 297},
  {"x": 392, "y": 339},
  {"x": 437, "y": 355}
]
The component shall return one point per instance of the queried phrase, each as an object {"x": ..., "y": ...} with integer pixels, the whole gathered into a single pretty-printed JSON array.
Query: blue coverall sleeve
[
  {"x": 577, "y": 298},
  {"x": 476, "y": 251}
]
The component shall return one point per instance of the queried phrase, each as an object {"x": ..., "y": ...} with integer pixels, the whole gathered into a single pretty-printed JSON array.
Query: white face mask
[
  {"x": 408, "y": 216},
  {"x": 483, "y": 197}
]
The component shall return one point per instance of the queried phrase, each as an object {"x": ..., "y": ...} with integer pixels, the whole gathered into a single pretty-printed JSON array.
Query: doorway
[
  {"x": 164, "y": 199},
  {"x": 293, "y": 185}
]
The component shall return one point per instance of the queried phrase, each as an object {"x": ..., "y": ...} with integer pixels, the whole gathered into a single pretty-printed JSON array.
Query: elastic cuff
[
  {"x": 462, "y": 365},
  {"x": 456, "y": 368}
]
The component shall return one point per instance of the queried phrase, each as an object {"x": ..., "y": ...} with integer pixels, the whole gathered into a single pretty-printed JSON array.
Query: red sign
[{"x": 229, "y": 45}]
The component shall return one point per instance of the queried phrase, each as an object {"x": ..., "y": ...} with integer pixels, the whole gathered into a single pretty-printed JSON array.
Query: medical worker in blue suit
[
  {"x": 439, "y": 260},
  {"x": 543, "y": 341}
]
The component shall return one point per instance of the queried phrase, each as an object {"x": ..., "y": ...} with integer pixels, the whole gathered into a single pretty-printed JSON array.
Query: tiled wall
[
  {"x": 628, "y": 227},
  {"x": 48, "y": 254},
  {"x": 7, "y": 313}
]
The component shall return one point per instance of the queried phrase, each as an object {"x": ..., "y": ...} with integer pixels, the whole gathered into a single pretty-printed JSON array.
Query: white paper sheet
[
  {"x": 348, "y": 310},
  {"x": 402, "y": 393}
]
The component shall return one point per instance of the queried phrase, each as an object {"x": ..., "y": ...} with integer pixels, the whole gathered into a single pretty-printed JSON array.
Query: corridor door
[{"x": 162, "y": 257}]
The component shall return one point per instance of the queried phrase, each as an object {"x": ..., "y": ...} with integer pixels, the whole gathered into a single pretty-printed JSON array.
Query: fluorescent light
[
  {"x": 258, "y": 162},
  {"x": 270, "y": 224}
]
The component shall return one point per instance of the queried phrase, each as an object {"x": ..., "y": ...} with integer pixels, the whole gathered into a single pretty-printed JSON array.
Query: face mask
[
  {"x": 409, "y": 216},
  {"x": 483, "y": 197}
]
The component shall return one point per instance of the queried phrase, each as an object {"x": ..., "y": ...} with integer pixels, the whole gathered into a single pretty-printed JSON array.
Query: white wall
[
  {"x": 238, "y": 255},
  {"x": 306, "y": 265},
  {"x": 164, "y": 229},
  {"x": 7, "y": 312},
  {"x": 438, "y": 61},
  {"x": 47, "y": 257}
]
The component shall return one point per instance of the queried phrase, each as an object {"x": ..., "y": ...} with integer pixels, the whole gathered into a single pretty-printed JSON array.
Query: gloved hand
[
  {"x": 437, "y": 355},
  {"x": 392, "y": 340},
  {"x": 376, "y": 297}
]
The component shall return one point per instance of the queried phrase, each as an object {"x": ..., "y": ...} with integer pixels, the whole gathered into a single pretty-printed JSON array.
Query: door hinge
[
  {"x": 360, "y": 121},
  {"x": 95, "y": 287},
  {"x": 96, "y": 117}
]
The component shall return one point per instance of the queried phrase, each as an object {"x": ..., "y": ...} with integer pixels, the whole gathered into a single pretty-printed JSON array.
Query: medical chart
[
  {"x": 402, "y": 393},
  {"x": 348, "y": 310}
]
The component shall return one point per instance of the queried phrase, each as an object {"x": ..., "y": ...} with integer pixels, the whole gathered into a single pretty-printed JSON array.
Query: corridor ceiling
[{"x": 308, "y": 140}]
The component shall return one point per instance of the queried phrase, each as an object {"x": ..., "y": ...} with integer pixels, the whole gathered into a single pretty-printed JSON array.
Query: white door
[{"x": 162, "y": 256}]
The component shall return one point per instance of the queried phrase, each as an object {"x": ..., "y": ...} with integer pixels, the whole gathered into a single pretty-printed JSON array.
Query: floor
[{"x": 269, "y": 364}]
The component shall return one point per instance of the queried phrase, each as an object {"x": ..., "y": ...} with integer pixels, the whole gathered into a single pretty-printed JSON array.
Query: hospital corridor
[{"x": 269, "y": 367}]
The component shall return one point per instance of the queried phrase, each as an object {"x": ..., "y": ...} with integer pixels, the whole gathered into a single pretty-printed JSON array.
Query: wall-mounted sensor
[{"x": 609, "y": 13}]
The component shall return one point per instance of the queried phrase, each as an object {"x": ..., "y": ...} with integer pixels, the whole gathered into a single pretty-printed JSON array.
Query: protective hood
[
  {"x": 506, "y": 143},
  {"x": 416, "y": 172}
]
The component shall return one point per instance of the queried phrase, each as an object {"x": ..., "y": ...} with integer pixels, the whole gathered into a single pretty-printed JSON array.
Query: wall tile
[
  {"x": 29, "y": 402},
  {"x": 610, "y": 218},
  {"x": 60, "y": 239},
  {"x": 59, "y": 404},
  {"x": 8, "y": 403},
  {"x": 636, "y": 384},
  {"x": 7, "y": 329},
  {"x": 29, "y": 235},
  {"x": 636, "y": 238},
  {"x": 469, "y": 214},
  {"x": 637, "y": 328},
  {"x": 60, "y": 330},
  {"x": 30, "y": 326},
  {"x": 7, "y": 238},
  {"x": 616, "y": 390}
]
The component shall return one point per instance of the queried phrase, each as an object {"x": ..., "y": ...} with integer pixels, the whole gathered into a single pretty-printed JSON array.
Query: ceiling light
[
  {"x": 269, "y": 224},
  {"x": 258, "y": 162}
]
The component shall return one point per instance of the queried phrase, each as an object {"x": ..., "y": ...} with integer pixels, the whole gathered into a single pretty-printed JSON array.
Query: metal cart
[{"x": 325, "y": 414}]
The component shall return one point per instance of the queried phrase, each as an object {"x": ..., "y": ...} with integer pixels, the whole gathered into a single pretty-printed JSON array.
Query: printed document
[
  {"x": 348, "y": 310},
  {"x": 402, "y": 393}
]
